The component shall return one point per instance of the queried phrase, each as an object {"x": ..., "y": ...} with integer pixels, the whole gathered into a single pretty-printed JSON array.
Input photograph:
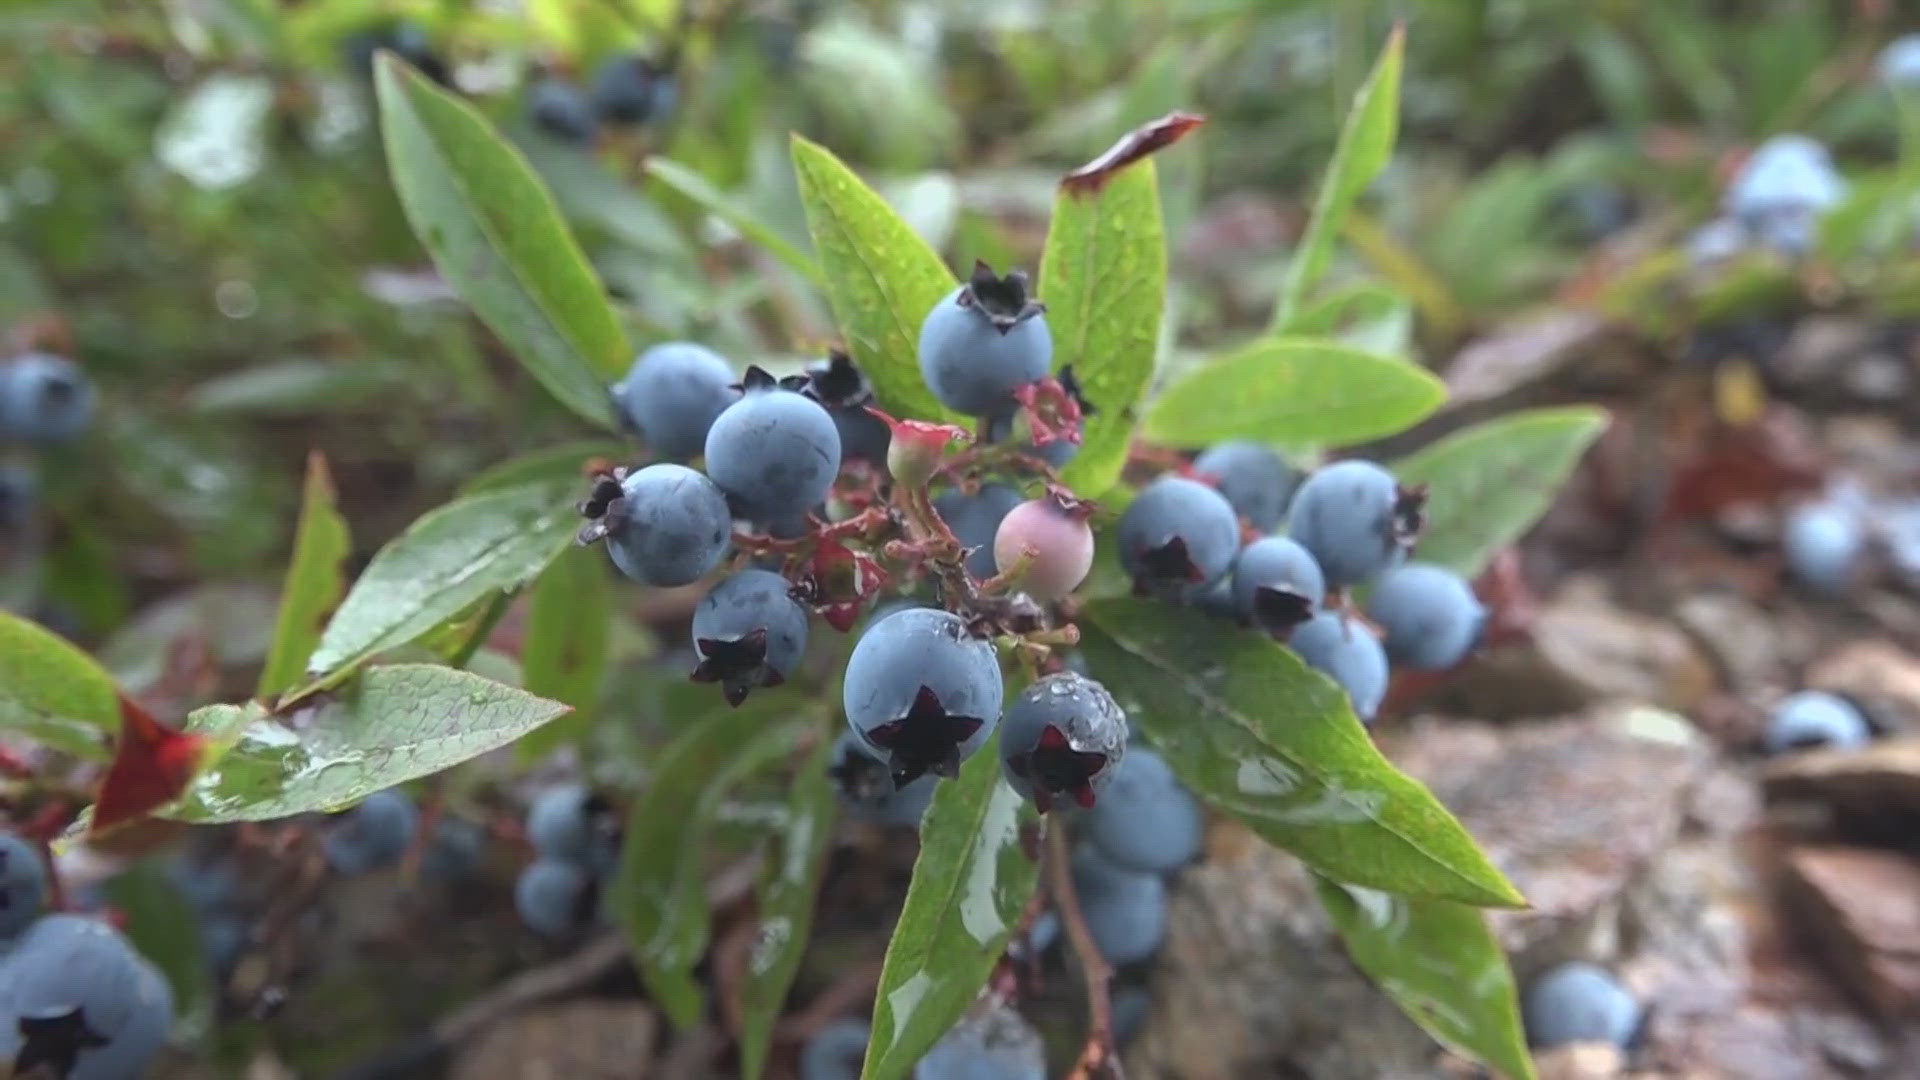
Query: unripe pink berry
[{"x": 1049, "y": 537}]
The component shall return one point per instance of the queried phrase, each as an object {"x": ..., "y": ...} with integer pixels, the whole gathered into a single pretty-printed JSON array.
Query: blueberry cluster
[
  {"x": 994, "y": 1041},
  {"x": 76, "y": 1000},
  {"x": 576, "y": 842},
  {"x": 626, "y": 90},
  {"x": 380, "y": 829},
  {"x": 1775, "y": 202}
]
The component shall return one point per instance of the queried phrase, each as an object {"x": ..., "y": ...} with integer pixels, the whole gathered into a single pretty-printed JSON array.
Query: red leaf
[{"x": 152, "y": 765}]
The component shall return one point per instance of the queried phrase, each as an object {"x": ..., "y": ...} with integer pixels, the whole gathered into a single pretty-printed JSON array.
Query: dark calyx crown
[
  {"x": 1003, "y": 300},
  {"x": 737, "y": 664},
  {"x": 1054, "y": 768},
  {"x": 1278, "y": 609},
  {"x": 927, "y": 739},
  {"x": 1167, "y": 564}
]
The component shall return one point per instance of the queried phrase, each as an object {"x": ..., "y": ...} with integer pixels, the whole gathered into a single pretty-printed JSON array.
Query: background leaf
[
  {"x": 52, "y": 692},
  {"x": 970, "y": 884},
  {"x": 703, "y": 194},
  {"x": 1441, "y": 964},
  {"x": 497, "y": 237},
  {"x": 1260, "y": 736},
  {"x": 314, "y": 580},
  {"x": 1294, "y": 390},
  {"x": 394, "y": 723},
  {"x": 881, "y": 278},
  {"x": 563, "y": 463},
  {"x": 1489, "y": 483},
  {"x": 1104, "y": 280},
  {"x": 163, "y": 927},
  {"x": 569, "y": 632}
]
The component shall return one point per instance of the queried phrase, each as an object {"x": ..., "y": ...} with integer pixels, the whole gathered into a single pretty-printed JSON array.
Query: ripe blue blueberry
[
  {"x": 1815, "y": 718},
  {"x": 749, "y": 632},
  {"x": 1347, "y": 652},
  {"x": 1276, "y": 584},
  {"x": 571, "y": 823},
  {"x": 23, "y": 886},
  {"x": 1579, "y": 1002},
  {"x": 984, "y": 341},
  {"x": 1428, "y": 614},
  {"x": 867, "y": 791},
  {"x": 1899, "y": 64},
  {"x": 1126, "y": 910},
  {"x": 672, "y": 395},
  {"x": 1783, "y": 189},
  {"x": 373, "y": 834},
  {"x": 995, "y": 1043},
  {"x": 1824, "y": 542},
  {"x": 1253, "y": 478},
  {"x": 843, "y": 390},
  {"x": 774, "y": 452},
  {"x": 1146, "y": 820},
  {"x": 406, "y": 39},
  {"x": 1177, "y": 537},
  {"x": 1056, "y": 453},
  {"x": 664, "y": 525},
  {"x": 1063, "y": 738},
  {"x": 922, "y": 691},
  {"x": 455, "y": 852},
  {"x": 1356, "y": 519},
  {"x": 76, "y": 1001},
  {"x": 44, "y": 399},
  {"x": 1716, "y": 242},
  {"x": 975, "y": 520},
  {"x": 561, "y": 109},
  {"x": 836, "y": 1052},
  {"x": 626, "y": 89},
  {"x": 554, "y": 897}
]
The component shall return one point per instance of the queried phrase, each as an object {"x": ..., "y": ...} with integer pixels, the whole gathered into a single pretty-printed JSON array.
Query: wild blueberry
[
  {"x": 867, "y": 791},
  {"x": 1716, "y": 242},
  {"x": 672, "y": 395},
  {"x": 995, "y": 1043},
  {"x": 749, "y": 632},
  {"x": 1356, "y": 519},
  {"x": 1253, "y": 478},
  {"x": 836, "y": 1052},
  {"x": 554, "y": 897},
  {"x": 1177, "y": 537},
  {"x": 1428, "y": 614},
  {"x": 572, "y": 823},
  {"x": 1783, "y": 189},
  {"x": 1899, "y": 63},
  {"x": 1814, "y": 718},
  {"x": 1049, "y": 536},
  {"x": 1145, "y": 821},
  {"x": 625, "y": 89},
  {"x": 1126, "y": 910},
  {"x": 922, "y": 691},
  {"x": 373, "y": 834},
  {"x": 561, "y": 109},
  {"x": 1346, "y": 652},
  {"x": 405, "y": 39},
  {"x": 23, "y": 886},
  {"x": 456, "y": 851},
  {"x": 1276, "y": 584},
  {"x": 983, "y": 341},
  {"x": 665, "y": 525},
  {"x": 975, "y": 520},
  {"x": 76, "y": 1001},
  {"x": 774, "y": 452},
  {"x": 44, "y": 399},
  {"x": 839, "y": 386},
  {"x": 1579, "y": 1002},
  {"x": 1824, "y": 542},
  {"x": 1063, "y": 737}
]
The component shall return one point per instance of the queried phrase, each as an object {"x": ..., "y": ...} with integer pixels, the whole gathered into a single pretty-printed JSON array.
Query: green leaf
[
  {"x": 1367, "y": 315},
  {"x": 163, "y": 928},
  {"x": 395, "y": 723},
  {"x": 1366, "y": 143},
  {"x": 302, "y": 386},
  {"x": 728, "y": 209},
  {"x": 1294, "y": 390},
  {"x": 788, "y": 890},
  {"x": 497, "y": 237},
  {"x": 1260, "y": 736},
  {"x": 970, "y": 884},
  {"x": 563, "y": 463},
  {"x": 1104, "y": 279},
  {"x": 1489, "y": 483},
  {"x": 314, "y": 581},
  {"x": 881, "y": 278},
  {"x": 1442, "y": 966},
  {"x": 446, "y": 561},
  {"x": 569, "y": 631},
  {"x": 52, "y": 692},
  {"x": 660, "y": 893}
]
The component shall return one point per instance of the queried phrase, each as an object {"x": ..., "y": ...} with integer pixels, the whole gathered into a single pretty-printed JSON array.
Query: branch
[{"x": 1098, "y": 1060}]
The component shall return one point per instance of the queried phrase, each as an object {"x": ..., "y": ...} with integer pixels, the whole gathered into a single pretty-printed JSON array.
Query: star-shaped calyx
[
  {"x": 1005, "y": 301},
  {"x": 1055, "y": 768},
  {"x": 601, "y": 505},
  {"x": 861, "y": 777},
  {"x": 737, "y": 664},
  {"x": 54, "y": 1042},
  {"x": 1409, "y": 516},
  {"x": 927, "y": 739},
  {"x": 1277, "y": 609},
  {"x": 1166, "y": 565}
]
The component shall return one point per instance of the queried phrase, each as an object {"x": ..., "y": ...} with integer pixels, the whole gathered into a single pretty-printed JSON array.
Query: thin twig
[
  {"x": 595, "y": 959},
  {"x": 1097, "y": 1059}
]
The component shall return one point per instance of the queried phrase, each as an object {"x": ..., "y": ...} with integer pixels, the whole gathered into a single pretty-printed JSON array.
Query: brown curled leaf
[{"x": 1134, "y": 145}]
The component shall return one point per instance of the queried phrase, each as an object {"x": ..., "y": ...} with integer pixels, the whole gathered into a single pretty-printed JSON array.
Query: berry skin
[
  {"x": 561, "y": 109},
  {"x": 1429, "y": 615},
  {"x": 994, "y": 1044},
  {"x": 1579, "y": 1002},
  {"x": 982, "y": 342},
  {"x": 774, "y": 452},
  {"x": 554, "y": 897},
  {"x": 1785, "y": 174},
  {"x": 836, "y": 1052},
  {"x": 975, "y": 520},
  {"x": 748, "y": 632},
  {"x": 1349, "y": 654},
  {"x": 76, "y": 1001},
  {"x": 1824, "y": 542},
  {"x": 1051, "y": 534},
  {"x": 571, "y": 823},
  {"x": 667, "y": 526},
  {"x": 867, "y": 790},
  {"x": 839, "y": 386},
  {"x": 44, "y": 399},
  {"x": 673, "y": 394},
  {"x": 1356, "y": 519},
  {"x": 373, "y": 834},
  {"x": 23, "y": 886},
  {"x": 923, "y": 692},
  {"x": 1055, "y": 453},
  {"x": 1178, "y": 537},
  {"x": 1276, "y": 584},
  {"x": 1814, "y": 718},
  {"x": 1126, "y": 910},
  {"x": 1145, "y": 820},
  {"x": 1253, "y": 478},
  {"x": 626, "y": 89},
  {"x": 1064, "y": 737},
  {"x": 1899, "y": 64}
]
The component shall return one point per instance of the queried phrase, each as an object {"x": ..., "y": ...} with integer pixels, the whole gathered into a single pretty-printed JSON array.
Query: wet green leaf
[
  {"x": 563, "y": 463},
  {"x": 52, "y": 692},
  {"x": 881, "y": 278},
  {"x": 1260, "y": 736},
  {"x": 970, "y": 884},
  {"x": 314, "y": 581},
  {"x": 1441, "y": 964},
  {"x": 1294, "y": 390},
  {"x": 498, "y": 239},
  {"x": 569, "y": 629},
  {"x": 728, "y": 209},
  {"x": 1489, "y": 483},
  {"x": 394, "y": 723}
]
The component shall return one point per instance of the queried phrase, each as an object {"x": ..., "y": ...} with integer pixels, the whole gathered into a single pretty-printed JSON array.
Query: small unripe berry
[{"x": 1049, "y": 539}]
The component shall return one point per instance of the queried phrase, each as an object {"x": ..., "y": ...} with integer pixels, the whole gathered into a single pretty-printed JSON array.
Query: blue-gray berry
[
  {"x": 922, "y": 691},
  {"x": 775, "y": 452},
  {"x": 672, "y": 395},
  {"x": 1177, "y": 537},
  {"x": 865, "y": 784},
  {"x": 373, "y": 834},
  {"x": 559, "y": 108},
  {"x": 993, "y": 1043},
  {"x": 44, "y": 399},
  {"x": 1356, "y": 519},
  {"x": 1428, "y": 614},
  {"x": 627, "y": 89},
  {"x": 23, "y": 886},
  {"x": 1824, "y": 542},
  {"x": 554, "y": 897},
  {"x": 975, "y": 519},
  {"x": 1815, "y": 718},
  {"x": 1146, "y": 820},
  {"x": 572, "y": 823},
  {"x": 1253, "y": 477},
  {"x": 1126, "y": 910},
  {"x": 76, "y": 1001},
  {"x": 1346, "y": 652},
  {"x": 748, "y": 631},
  {"x": 665, "y": 525},
  {"x": 1276, "y": 584},
  {"x": 1063, "y": 738},
  {"x": 1579, "y": 1002},
  {"x": 984, "y": 341}
]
